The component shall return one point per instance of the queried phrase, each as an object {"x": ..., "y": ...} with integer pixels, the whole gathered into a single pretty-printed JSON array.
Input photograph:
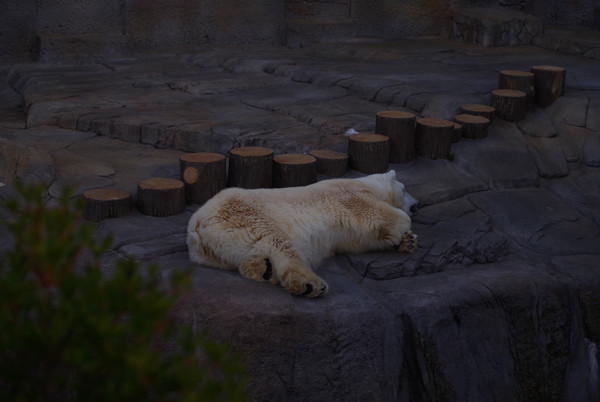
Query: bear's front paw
[
  {"x": 409, "y": 242},
  {"x": 259, "y": 268},
  {"x": 303, "y": 283}
]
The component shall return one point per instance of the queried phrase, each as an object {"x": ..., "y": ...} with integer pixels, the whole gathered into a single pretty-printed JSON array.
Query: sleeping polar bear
[{"x": 279, "y": 235}]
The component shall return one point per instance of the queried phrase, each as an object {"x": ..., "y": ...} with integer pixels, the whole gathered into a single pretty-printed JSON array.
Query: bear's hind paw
[
  {"x": 409, "y": 243},
  {"x": 258, "y": 268},
  {"x": 304, "y": 284}
]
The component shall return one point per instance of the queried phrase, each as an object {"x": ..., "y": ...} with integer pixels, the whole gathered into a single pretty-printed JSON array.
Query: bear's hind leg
[
  {"x": 259, "y": 268},
  {"x": 292, "y": 274},
  {"x": 299, "y": 280}
]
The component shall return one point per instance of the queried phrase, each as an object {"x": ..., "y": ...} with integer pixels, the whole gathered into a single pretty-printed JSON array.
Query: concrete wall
[
  {"x": 17, "y": 27},
  {"x": 583, "y": 13},
  {"x": 52, "y": 30},
  {"x": 405, "y": 18},
  {"x": 46, "y": 29}
]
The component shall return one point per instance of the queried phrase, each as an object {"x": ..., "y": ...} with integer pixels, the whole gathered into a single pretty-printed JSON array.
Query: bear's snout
[{"x": 412, "y": 204}]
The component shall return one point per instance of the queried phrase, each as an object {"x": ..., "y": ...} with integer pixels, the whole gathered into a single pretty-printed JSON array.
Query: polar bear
[{"x": 281, "y": 235}]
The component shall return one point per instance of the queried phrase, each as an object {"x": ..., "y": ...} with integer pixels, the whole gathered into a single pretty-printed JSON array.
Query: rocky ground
[{"x": 500, "y": 302}]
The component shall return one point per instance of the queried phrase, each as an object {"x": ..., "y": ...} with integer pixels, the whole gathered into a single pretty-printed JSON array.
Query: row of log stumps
[
  {"x": 402, "y": 136},
  {"x": 156, "y": 196},
  {"x": 399, "y": 136},
  {"x": 518, "y": 91},
  {"x": 428, "y": 137},
  {"x": 204, "y": 174},
  {"x": 258, "y": 167}
]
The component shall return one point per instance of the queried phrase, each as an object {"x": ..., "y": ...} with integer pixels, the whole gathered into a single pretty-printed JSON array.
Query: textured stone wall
[
  {"x": 16, "y": 32},
  {"x": 52, "y": 30},
  {"x": 407, "y": 18},
  {"x": 583, "y": 13},
  {"x": 49, "y": 30}
]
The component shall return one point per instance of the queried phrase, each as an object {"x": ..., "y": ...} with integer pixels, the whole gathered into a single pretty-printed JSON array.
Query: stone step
[{"x": 571, "y": 40}]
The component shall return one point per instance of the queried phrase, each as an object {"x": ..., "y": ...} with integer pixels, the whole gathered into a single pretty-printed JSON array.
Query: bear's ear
[{"x": 391, "y": 175}]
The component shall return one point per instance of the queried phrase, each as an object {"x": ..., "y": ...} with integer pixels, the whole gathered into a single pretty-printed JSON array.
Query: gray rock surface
[
  {"x": 500, "y": 302},
  {"x": 537, "y": 123},
  {"x": 497, "y": 26}
]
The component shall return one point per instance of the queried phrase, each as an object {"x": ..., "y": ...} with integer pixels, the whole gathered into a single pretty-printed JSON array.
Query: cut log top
[
  {"x": 395, "y": 114},
  {"x": 251, "y": 151},
  {"x": 106, "y": 194},
  {"x": 202, "y": 157},
  {"x": 294, "y": 159},
  {"x": 328, "y": 154},
  {"x": 190, "y": 175},
  {"x": 471, "y": 119},
  {"x": 517, "y": 73},
  {"x": 475, "y": 107},
  {"x": 549, "y": 68},
  {"x": 160, "y": 183},
  {"x": 509, "y": 93},
  {"x": 369, "y": 137},
  {"x": 435, "y": 122}
]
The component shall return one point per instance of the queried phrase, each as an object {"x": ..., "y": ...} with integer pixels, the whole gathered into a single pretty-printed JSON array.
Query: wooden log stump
[
  {"x": 473, "y": 126},
  {"x": 519, "y": 80},
  {"x": 434, "y": 137},
  {"x": 457, "y": 132},
  {"x": 160, "y": 196},
  {"x": 476, "y": 109},
  {"x": 251, "y": 167},
  {"x": 104, "y": 203},
  {"x": 204, "y": 175},
  {"x": 400, "y": 128},
  {"x": 330, "y": 163},
  {"x": 549, "y": 82},
  {"x": 293, "y": 170},
  {"x": 510, "y": 104},
  {"x": 369, "y": 152}
]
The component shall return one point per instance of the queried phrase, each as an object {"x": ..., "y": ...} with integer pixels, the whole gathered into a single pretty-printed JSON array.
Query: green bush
[{"x": 68, "y": 331}]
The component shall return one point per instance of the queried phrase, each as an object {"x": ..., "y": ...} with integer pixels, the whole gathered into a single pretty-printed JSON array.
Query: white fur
[{"x": 296, "y": 228}]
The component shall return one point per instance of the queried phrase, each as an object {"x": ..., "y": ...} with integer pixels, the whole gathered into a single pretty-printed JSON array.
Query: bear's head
[
  {"x": 400, "y": 198},
  {"x": 385, "y": 187}
]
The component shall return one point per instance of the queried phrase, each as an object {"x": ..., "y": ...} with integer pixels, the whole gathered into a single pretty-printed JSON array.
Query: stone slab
[
  {"x": 25, "y": 162},
  {"x": 434, "y": 181},
  {"x": 571, "y": 108},
  {"x": 538, "y": 123},
  {"x": 549, "y": 156},
  {"x": 499, "y": 160},
  {"x": 540, "y": 221}
]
